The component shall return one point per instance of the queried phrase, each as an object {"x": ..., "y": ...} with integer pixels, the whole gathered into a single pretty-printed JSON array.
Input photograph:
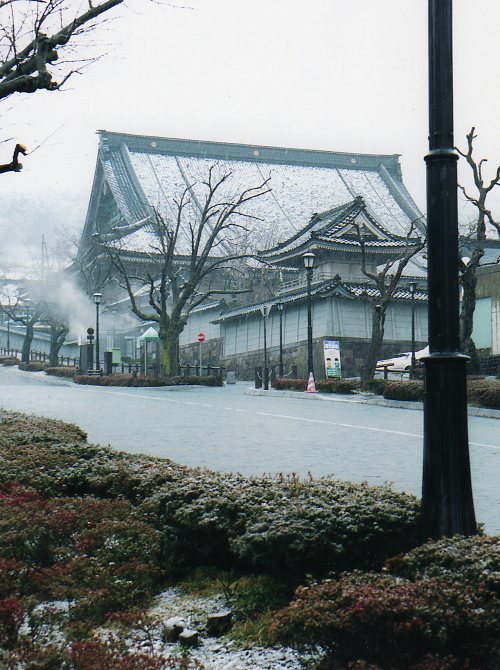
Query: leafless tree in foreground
[
  {"x": 192, "y": 258},
  {"x": 475, "y": 241},
  {"x": 386, "y": 281},
  {"x": 37, "y": 41}
]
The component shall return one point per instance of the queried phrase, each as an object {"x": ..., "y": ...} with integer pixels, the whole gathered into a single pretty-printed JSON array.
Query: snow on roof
[{"x": 144, "y": 172}]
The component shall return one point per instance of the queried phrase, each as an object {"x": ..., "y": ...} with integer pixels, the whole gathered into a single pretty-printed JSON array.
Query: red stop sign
[{"x": 201, "y": 337}]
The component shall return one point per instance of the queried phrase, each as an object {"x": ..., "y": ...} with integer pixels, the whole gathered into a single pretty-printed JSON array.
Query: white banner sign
[{"x": 331, "y": 352}]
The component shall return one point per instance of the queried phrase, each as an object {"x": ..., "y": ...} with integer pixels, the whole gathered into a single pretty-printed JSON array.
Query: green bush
[
  {"x": 408, "y": 390},
  {"x": 33, "y": 366},
  {"x": 393, "y": 622},
  {"x": 69, "y": 371}
]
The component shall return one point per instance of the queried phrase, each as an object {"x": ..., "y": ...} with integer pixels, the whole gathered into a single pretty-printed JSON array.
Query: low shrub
[
  {"x": 281, "y": 384},
  {"x": 68, "y": 371},
  {"x": 377, "y": 386},
  {"x": 465, "y": 560},
  {"x": 484, "y": 393},
  {"x": 33, "y": 366},
  {"x": 9, "y": 360},
  {"x": 394, "y": 623},
  {"x": 337, "y": 385},
  {"x": 407, "y": 390},
  {"x": 123, "y": 379},
  {"x": 322, "y": 385}
]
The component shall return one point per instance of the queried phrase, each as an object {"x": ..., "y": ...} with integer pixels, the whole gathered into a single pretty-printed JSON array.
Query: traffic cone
[{"x": 311, "y": 386}]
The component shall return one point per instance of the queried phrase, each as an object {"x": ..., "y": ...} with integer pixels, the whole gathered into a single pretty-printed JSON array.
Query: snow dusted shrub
[
  {"x": 33, "y": 366},
  {"x": 283, "y": 524},
  {"x": 464, "y": 560},
  {"x": 393, "y": 622},
  {"x": 281, "y": 384}
]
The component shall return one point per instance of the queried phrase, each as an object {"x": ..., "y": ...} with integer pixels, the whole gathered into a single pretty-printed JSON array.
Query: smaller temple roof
[{"x": 336, "y": 229}]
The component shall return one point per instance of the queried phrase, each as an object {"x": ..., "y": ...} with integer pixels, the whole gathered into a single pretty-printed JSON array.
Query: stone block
[{"x": 219, "y": 623}]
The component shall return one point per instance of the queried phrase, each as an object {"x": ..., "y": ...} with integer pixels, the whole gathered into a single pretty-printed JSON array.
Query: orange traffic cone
[{"x": 311, "y": 386}]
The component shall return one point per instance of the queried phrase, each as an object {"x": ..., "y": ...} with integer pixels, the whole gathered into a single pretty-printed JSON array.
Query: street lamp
[
  {"x": 413, "y": 288},
  {"x": 27, "y": 303},
  {"x": 97, "y": 300},
  {"x": 8, "y": 333},
  {"x": 265, "y": 313},
  {"x": 280, "y": 310},
  {"x": 308, "y": 260},
  {"x": 447, "y": 500}
]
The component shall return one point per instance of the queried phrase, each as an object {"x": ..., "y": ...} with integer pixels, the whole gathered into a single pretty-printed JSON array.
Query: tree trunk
[
  {"x": 378, "y": 324},
  {"x": 170, "y": 353},
  {"x": 28, "y": 339},
  {"x": 469, "y": 281},
  {"x": 57, "y": 337}
]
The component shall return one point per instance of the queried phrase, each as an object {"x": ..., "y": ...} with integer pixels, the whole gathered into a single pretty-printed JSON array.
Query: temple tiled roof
[
  {"x": 145, "y": 172},
  {"x": 333, "y": 286}
]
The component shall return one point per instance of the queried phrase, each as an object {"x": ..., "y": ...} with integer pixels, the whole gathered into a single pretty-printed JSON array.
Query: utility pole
[{"x": 447, "y": 502}]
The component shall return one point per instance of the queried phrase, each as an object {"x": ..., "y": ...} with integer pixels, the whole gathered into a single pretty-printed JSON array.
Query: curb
[{"x": 366, "y": 400}]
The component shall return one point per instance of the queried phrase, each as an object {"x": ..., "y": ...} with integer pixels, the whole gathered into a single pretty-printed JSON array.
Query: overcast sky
[{"x": 341, "y": 75}]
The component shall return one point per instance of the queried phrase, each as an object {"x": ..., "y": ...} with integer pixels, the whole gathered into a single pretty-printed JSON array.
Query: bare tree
[
  {"x": 35, "y": 35},
  {"x": 192, "y": 257},
  {"x": 386, "y": 281},
  {"x": 475, "y": 240},
  {"x": 26, "y": 314}
]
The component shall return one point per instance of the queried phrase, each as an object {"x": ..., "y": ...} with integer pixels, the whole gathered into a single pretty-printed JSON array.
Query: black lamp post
[
  {"x": 447, "y": 501},
  {"x": 280, "y": 310},
  {"x": 8, "y": 332},
  {"x": 413, "y": 288},
  {"x": 27, "y": 303},
  {"x": 97, "y": 300},
  {"x": 265, "y": 313},
  {"x": 308, "y": 260}
]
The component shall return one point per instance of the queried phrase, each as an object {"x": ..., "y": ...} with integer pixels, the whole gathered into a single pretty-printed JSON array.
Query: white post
[{"x": 145, "y": 358}]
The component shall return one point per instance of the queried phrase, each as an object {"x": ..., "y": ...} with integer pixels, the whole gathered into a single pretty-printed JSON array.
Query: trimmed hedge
[
  {"x": 480, "y": 391},
  {"x": 484, "y": 393},
  {"x": 69, "y": 371},
  {"x": 141, "y": 381},
  {"x": 9, "y": 360},
  {"x": 322, "y": 385},
  {"x": 33, "y": 366},
  {"x": 408, "y": 390}
]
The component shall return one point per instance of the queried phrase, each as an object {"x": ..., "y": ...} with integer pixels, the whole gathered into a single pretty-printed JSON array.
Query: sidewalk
[{"x": 363, "y": 399}]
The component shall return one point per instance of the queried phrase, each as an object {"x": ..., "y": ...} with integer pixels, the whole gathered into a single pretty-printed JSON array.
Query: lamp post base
[{"x": 447, "y": 502}]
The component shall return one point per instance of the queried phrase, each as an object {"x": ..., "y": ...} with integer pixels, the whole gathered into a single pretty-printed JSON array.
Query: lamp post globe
[
  {"x": 308, "y": 260},
  {"x": 97, "y": 300}
]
